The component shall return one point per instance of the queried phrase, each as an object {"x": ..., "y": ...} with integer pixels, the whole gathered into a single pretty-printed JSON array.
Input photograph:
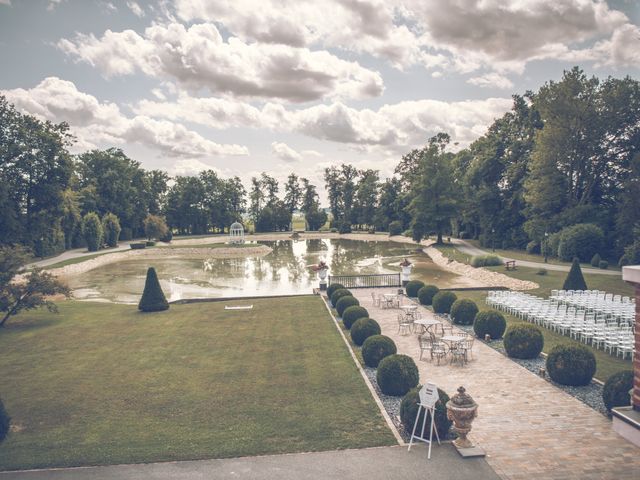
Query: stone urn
[
  {"x": 406, "y": 266},
  {"x": 322, "y": 270},
  {"x": 461, "y": 410}
]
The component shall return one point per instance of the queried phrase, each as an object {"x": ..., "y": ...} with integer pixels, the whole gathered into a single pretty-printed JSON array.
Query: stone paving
[{"x": 528, "y": 427}]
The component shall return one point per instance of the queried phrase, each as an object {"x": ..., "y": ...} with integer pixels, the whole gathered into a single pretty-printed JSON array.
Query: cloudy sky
[{"x": 244, "y": 86}]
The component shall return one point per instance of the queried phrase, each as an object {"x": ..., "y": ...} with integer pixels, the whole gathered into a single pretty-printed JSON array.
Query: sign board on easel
[{"x": 428, "y": 396}]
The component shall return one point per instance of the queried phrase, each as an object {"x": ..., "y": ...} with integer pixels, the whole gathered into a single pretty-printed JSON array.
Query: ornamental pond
[{"x": 286, "y": 270}]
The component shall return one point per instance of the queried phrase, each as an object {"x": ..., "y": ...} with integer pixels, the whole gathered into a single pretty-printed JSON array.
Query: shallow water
[{"x": 286, "y": 270}]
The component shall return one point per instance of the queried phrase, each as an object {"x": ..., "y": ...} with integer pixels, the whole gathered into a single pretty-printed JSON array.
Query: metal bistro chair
[
  {"x": 376, "y": 300},
  {"x": 405, "y": 325}
]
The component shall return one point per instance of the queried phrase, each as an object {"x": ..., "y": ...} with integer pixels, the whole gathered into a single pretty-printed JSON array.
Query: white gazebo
[{"x": 236, "y": 233}]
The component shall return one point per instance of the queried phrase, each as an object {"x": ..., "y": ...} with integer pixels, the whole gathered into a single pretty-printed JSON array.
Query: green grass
[
  {"x": 523, "y": 255},
  {"x": 452, "y": 253},
  {"x": 606, "y": 364},
  {"x": 104, "y": 384},
  {"x": 554, "y": 280},
  {"x": 73, "y": 261}
]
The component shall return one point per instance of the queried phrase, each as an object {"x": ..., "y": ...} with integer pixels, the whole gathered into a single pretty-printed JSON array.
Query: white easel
[{"x": 428, "y": 399}]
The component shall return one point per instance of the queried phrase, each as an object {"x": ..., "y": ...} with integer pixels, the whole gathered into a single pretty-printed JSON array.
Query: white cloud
[
  {"x": 491, "y": 80},
  {"x": 5, "y": 2},
  {"x": 96, "y": 123},
  {"x": 460, "y": 35},
  {"x": 137, "y": 10},
  {"x": 393, "y": 126},
  {"x": 53, "y": 4},
  {"x": 285, "y": 152},
  {"x": 198, "y": 58}
]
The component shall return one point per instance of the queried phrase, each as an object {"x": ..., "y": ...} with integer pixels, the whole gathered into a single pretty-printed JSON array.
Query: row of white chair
[{"x": 598, "y": 329}]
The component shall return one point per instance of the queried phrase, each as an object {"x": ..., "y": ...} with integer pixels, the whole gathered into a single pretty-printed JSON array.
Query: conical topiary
[
  {"x": 4, "y": 422},
  {"x": 153, "y": 299},
  {"x": 575, "y": 280}
]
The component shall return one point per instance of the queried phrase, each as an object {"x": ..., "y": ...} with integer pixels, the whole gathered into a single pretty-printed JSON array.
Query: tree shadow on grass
[{"x": 25, "y": 324}]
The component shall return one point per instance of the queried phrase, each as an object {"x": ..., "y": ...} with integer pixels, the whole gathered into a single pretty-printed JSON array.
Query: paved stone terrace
[{"x": 529, "y": 428}]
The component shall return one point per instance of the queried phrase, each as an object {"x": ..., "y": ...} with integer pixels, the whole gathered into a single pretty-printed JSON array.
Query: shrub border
[{"x": 383, "y": 411}]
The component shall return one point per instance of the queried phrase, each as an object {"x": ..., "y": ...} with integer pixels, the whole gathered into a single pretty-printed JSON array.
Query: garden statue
[{"x": 406, "y": 271}]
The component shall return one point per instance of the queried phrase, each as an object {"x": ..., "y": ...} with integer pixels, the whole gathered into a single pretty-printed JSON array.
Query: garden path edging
[{"x": 364, "y": 376}]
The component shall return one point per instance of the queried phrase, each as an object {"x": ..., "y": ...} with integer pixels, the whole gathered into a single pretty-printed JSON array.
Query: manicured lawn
[
  {"x": 523, "y": 255},
  {"x": 452, "y": 253},
  {"x": 554, "y": 280},
  {"x": 104, "y": 384}
]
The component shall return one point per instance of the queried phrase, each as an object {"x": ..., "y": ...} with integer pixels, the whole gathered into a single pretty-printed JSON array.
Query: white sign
[{"x": 429, "y": 395}]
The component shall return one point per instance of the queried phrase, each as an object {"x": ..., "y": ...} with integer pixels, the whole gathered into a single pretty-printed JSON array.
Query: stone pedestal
[
  {"x": 406, "y": 272},
  {"x": 322, "y": 276}
]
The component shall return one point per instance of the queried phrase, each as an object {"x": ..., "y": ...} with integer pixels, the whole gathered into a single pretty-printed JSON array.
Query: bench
[{"x": 510, "y": 265}]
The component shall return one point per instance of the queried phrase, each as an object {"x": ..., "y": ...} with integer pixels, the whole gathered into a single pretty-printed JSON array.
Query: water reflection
[{"x": 284, "y": 271}]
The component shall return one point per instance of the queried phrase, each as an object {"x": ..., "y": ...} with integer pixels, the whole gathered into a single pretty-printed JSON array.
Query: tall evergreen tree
[{"x": 153, "y": 299}]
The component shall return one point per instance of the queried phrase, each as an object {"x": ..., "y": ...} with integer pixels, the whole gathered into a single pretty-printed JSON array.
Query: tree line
[{"x": 563, "y": 162}]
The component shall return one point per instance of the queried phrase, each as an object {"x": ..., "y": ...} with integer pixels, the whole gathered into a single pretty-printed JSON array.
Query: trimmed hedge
[
  {"x": 523, "y": 341},
  {"x": 571, "y": 364},
  {"x": 486, "y": 261},
  {"x": 443, "y": 301},
  {"x": 364, "y": 328},
  {"x": 5, "y": 420},
  {"x": 413, "y": 287},
  {"x": 582, "y": 240},
  {"x": 409, "y": 410},
  {"x": 426, "y": 294},
  {"x": 464, "y": 311},
  {"x": 616, "y": 389},
  {"x": 332, "y": 288},
  {"x": 353, "y": 313},
  {"x": 138, "y": 246},
  {"x": 395, "y": 227},
  {"x": 338, "y": 294},
  {"x": 153, "y": 299},
  {"x": 595, "y": 260},
  {"x": 603, "y": 264},
  {"x": 575, "y": 279},
  {"x": 346, "y": 302},
  {"x": 397, "y": 374},
  {"x": 377, "y": 347},
  {"x": 489, "y": 322}
]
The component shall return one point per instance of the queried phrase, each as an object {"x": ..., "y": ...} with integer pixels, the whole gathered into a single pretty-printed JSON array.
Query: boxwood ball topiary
[
  {"x": 463, "y": 311},
  {"x": 344, "y": 303},
  {"x": 571, "y": 364},
  {"x": 153, "y": 299},
  {"x": 353, "y": 313},
  {"x": 489, "y": 322},
  {"x": 5, "y": 420},
  {"x": 616, "y": 389},
  {"x": 397, "y": 374},
  {"x": 409, "y": 410},
  {"x": 338, "y": 294},
  {"x": 426, "y": 294},
  {"x": 443, "y": 301},
  {"x": 333, "y": 287},
  {"x": 523, "y": 341},
  {"x": 375, "y": 348},
  {"x": 364, "y": 328},
  {"x": 412, "y": 288}
]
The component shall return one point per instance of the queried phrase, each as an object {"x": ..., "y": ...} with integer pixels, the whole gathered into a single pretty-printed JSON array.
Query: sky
[{"x": 281, "y": 86}]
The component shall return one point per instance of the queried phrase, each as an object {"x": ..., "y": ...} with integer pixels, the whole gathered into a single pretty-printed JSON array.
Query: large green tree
[
  {"x": 33, "y": 290},
  {"x": 35, "y": 170},
  {"x": 434, "y": 194}
]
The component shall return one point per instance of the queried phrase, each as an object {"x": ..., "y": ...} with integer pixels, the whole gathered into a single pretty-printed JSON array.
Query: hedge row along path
[
  {"x": 528, "y": 427},
  {"x": 466, "y": 247}
]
